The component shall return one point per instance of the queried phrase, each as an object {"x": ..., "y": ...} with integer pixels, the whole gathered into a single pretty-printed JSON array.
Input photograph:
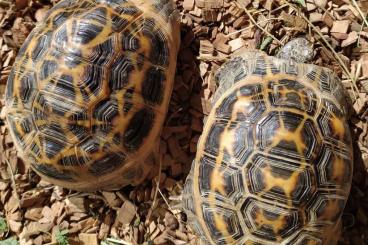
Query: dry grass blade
[
  {"x": 360, "y": 12},
  {"x": 258, "y": 26},
  {"x": 116, "y": 241},
  {"x": 336, "y": 55},
  {"x": 12, "y": 179}
]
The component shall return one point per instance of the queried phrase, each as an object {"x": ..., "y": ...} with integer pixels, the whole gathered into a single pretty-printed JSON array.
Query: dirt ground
[{"x": 35, "y": 212}]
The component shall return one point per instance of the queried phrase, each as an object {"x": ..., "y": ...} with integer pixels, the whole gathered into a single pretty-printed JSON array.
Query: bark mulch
[{"x": 35, "y": 212}]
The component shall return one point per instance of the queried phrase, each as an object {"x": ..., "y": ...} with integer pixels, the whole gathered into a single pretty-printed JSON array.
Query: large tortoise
[
  {"x": 90, "y": 88},
  {"x": 274, "y": 162}
]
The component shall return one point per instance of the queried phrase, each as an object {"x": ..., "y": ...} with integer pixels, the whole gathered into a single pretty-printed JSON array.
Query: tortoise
[
  {"x": 90, "y": 88},
  {"x": 274, "y": 161}
]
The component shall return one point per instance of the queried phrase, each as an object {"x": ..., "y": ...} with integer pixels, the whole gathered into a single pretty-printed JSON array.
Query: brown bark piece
[
  {"x": 88, "y": 239},
  {"x": 126, "y": 213}
]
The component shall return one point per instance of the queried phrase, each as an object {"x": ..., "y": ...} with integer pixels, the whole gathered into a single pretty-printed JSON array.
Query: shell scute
[
  {"x": 269, "y": 222},
  {"x": 278, "y": 179}
]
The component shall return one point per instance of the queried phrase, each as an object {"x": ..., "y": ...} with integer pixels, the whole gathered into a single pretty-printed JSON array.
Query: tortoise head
[{"x": 298, "y": 49}]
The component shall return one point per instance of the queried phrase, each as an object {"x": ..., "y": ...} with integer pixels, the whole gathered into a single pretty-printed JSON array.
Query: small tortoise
[
  {"x": 274, "y": 162},
  {"x": 90, "y": 88}
]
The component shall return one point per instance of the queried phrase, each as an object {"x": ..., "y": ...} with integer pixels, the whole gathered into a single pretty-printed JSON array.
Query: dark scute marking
[
  {"x": 59, "y": 19},
  {"x": 35, "y": 149},
  {"x": 85, "y": 32},
  {"x": 325, "y": 82},
  {"x": 90, "y": 145},
  {"x": 159, "y": 49},
  {"x": 106, "y": 165},
  {"x": 72, "y": 60},
  {"x": 54, "y": 130},
  {"x": 92, "y": 81},
  {"x": 27, "y": 84},
  {"x": 130, "y": 42},
  {"x": 274, "y": 69},
  {"x": 287, "y": 221},
  {"x": 113, "y": 1},
  {"x": 72, "y": 160},
  {"x": 10, "y": 86},
  {"x": 48, "y": 68},
  {"x": 25, "y": 126},
  {"x": 42, "y": 46},
  {"x": 86, "y": 5},
  {"x": 324, "y": 210},
  {"x": 105, "y": 112},
  {"x": 26, "y": 43},
  {"x": 231, "y": 221},
  {"x": 51, "y": 146},
  {"x": 79, "y": 131},
  {"x": 268, "y": 129},
  {"x": 118, "y": 23},
  {"x": 127, "y": 107},
  {"x": 140, "y": 61},
  {"x": 312, "y": 75},
  {"x": 103, "y": 53},
  {"x": 164, "y": 7},
  {"x": 65, "y": 86},
  {"x": 139, "y": 127},
  {"x": 261, "y": 66},
  {"x": 120, "y": 72},
  {"x": 61, "y": 36},
  {"x": 250, "y": 111},
  {"x": 97, "y": 15},
  {"x": 52, "y": 172},
  {"x": 153, "y": 85},
  {"x": 128, "y": 95},
  {"x": 232, "y": 180}
]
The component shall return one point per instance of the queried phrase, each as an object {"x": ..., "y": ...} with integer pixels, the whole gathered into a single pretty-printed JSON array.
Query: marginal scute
[
  {"x": 108, "y": 164},
  {"x": 52, "y": 172},
  {"x": 225, "y": 183},
  {"x": 27, "y": 88},
  {"x": 153, "y": 85},
  {"x": 223, "y": 224},
  {"x": 138, "y": 129},
  {"x": 334, "y": 169},
  {"x": 306, "y": 238},
  {"x": 24, "y": 129},
  {"x": 237, "y": 138},
  {"x": 327, "y": 208},
  {"x": 332, "y": 124}
]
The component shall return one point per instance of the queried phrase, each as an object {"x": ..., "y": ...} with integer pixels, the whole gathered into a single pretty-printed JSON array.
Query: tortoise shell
[
  {"x": 90, "y": 88},
  {"x": 274, "y": 162}
]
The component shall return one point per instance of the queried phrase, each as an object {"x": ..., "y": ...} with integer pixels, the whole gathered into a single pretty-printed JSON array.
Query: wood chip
[
  {"x": 126, "y": 213},
  {"x": 237, "y": 44},
  {"x": 340, "y": 26},
  {"x": 188, "y": 4},
  {"x": 88, "y": 239},
  {"x": 352, "y": 38}
]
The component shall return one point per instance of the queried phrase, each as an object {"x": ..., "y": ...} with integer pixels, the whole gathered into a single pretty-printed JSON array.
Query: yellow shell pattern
[
  {"x": 274, "y": 162},
  {"x": 90, "y": 88}
]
